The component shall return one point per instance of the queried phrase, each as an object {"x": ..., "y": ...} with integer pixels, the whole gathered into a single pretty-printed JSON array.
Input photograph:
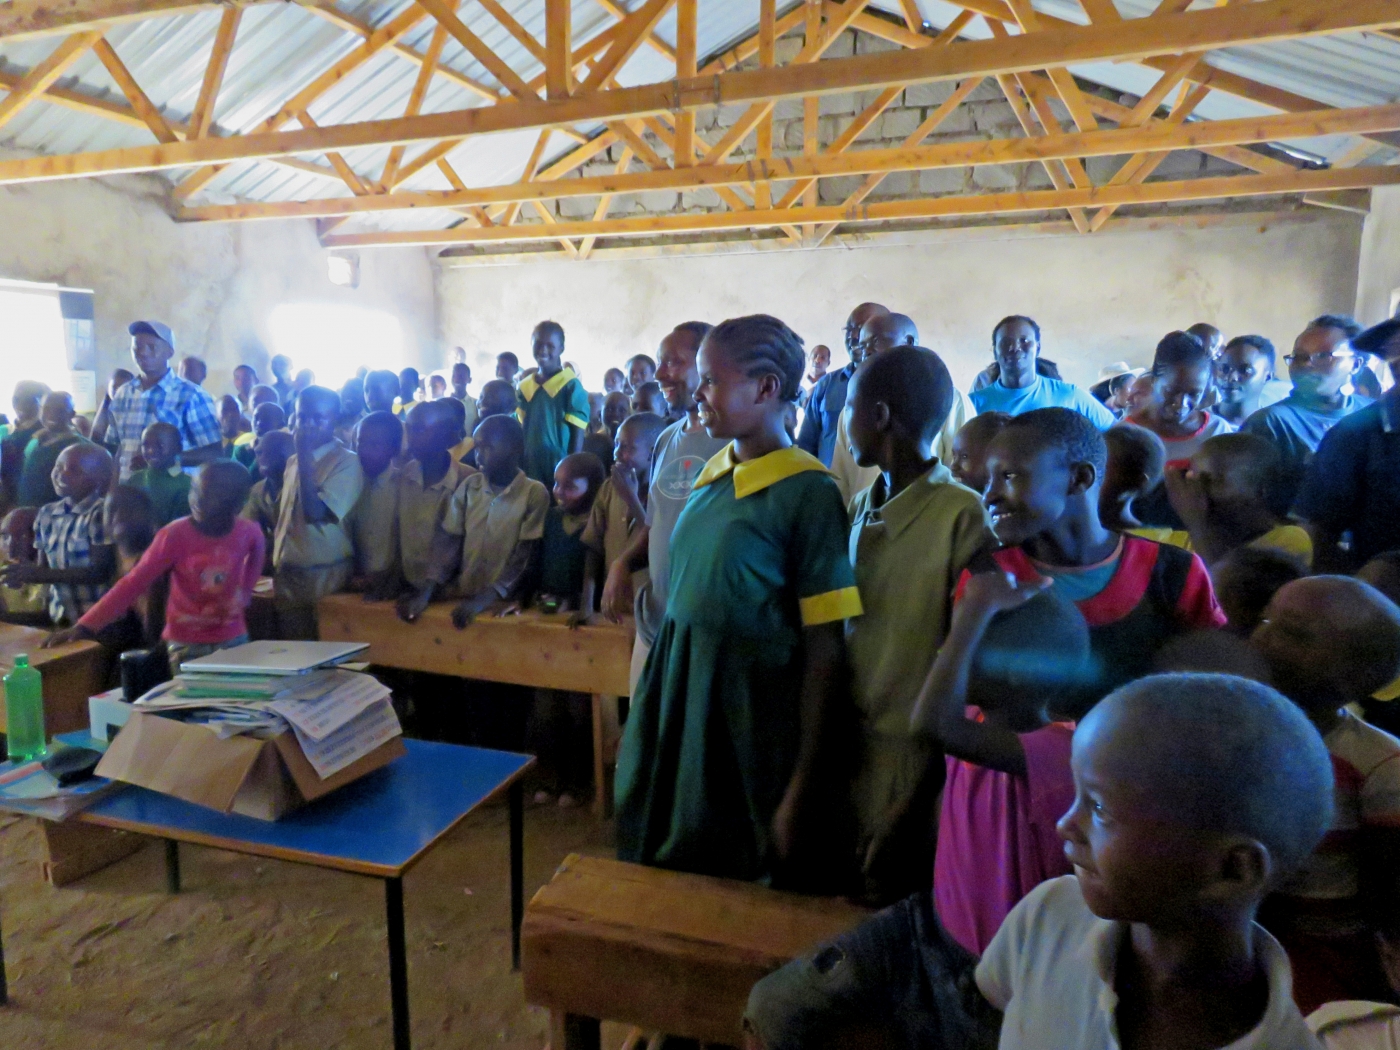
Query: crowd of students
[{"x": 1044, "y": 672}]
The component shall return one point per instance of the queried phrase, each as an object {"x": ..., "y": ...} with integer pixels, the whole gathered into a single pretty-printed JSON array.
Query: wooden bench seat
[{"x": 665, "y": 951}]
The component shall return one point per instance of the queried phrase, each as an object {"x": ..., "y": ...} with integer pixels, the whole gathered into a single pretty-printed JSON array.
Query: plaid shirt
[
  {"x": 173, "y": 400},
  {"x": 67, "y": 532}
]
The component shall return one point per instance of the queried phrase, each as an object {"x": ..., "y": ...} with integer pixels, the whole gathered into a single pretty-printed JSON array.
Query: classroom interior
[{"x": 370, "y": 183}]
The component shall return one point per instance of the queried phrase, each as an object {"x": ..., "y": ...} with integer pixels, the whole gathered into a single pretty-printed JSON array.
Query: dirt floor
[{"x": 260, "y": 954}]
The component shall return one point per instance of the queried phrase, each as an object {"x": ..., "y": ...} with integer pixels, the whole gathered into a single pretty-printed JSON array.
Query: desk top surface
[
  {"x": 15, "y": 639},
  {"x": 379, "y": 825}
]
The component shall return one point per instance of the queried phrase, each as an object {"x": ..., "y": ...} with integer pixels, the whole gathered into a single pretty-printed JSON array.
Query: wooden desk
[
  {"x": 530, "y": 649},
  {"x": 666, "y": 951},
  {"x": 71, "y": 674}
]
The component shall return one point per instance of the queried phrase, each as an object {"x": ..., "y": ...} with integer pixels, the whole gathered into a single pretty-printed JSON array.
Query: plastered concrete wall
[
  {"x": 1380, "y": 256},
  {"x": 215, "y": 285},
  {"x": 1099, "y": 299}
]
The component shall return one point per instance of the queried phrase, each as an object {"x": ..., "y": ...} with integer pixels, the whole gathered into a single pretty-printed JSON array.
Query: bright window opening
[
  {"x": 35, "y": 347},
  {"x": 335, "y": 341}
]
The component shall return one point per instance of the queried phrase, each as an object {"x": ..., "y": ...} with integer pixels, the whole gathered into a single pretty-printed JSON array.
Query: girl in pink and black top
[
  {"x": 214, "y": 559},
  {"x": 1182, "y": 374}
]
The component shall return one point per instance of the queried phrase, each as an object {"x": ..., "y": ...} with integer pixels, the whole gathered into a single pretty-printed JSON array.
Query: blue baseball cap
[{"x": 156, "y": 328}]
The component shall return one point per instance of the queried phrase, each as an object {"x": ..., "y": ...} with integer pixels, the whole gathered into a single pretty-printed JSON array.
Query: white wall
[
  {"x": 215, "y": 285},
  {"x": 1101, "y": 298},
  {"x": 1380, "y": 256}
]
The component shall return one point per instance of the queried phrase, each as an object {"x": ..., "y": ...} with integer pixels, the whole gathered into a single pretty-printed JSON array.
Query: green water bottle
[{"x": 24, "y": 712}]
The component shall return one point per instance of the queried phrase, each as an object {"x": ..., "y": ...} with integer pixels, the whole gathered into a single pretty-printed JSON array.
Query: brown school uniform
[
  {"x": 492, "y": 523},
  {"x": 311, "y": 561},
  {"x": 610, "y": 529},
  {"x": 421, "y": 510},
  {"x": 374, "y": 525}
]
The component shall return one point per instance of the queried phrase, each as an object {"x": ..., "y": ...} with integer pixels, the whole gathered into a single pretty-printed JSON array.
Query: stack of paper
[{"x": 32, "y": 790}]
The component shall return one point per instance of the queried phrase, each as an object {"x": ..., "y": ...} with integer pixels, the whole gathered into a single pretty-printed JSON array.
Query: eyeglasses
[{"x": 1320, "y": 360}]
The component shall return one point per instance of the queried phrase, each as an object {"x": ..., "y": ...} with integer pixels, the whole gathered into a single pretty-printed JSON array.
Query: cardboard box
[{"x": 242, "y": 774}]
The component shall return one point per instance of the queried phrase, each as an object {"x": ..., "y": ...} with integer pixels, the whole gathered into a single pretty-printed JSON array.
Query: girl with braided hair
[{"x": 719, "y": 767}]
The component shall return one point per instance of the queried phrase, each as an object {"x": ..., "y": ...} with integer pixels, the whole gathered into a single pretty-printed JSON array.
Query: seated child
[
  {"x": 577, "y": 480},
  {"x": 1222, "y": 496},
  {"x": 75, "y": 557},
  {"x": 312, "y": 555},
  {"x": 1012, "y": 652},
  {"x": 1046, "y": 468},
  {"x": 491, "y": 532},
  {"x": 1332, "y": 641},
  {"x": 649, "y": 398},
  {"x": 55, "y": 434},
  {"x": 1246, "y": 580},
  {"x": 914, "y": 530},
  {"x": 969, "y": 459},
  {"x": 1182, "y": 374},
  {"x": 26, "y": 605},
  {"x": 214, "y": 559},
  {"x": 720, "y": 770},
  {"x": 232, "y": 425},
  {"x": 1136, "y": 461},
  {"x": 267, "y": 417},
  {"x": 426, "y": 484},
  {"x": 161, "y": 478},
  {"x": 619, "y": 510},
  {"x": 1196, "y": 795},
  {"x": 265, "y": 497}
]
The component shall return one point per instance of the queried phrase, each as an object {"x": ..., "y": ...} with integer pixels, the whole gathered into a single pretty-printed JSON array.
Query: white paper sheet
[
  {"x": 320, "y": 717},
  {"x": 352, "y": 741}
]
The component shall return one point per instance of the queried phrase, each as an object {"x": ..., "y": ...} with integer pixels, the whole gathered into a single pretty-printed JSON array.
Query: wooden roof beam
[
  {"x": 20, "y": 19},
  {"x": 41, "y": 77}
]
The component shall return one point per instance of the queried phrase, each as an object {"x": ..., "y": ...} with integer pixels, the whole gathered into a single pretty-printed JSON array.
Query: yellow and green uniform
[
  {"x": 547, "y": 411},
  {"x": 758, "y": 553}
]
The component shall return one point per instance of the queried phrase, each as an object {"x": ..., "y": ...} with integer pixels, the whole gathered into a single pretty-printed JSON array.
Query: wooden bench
[
  {"x": 71, "y": 674},
  {"x": 529, "y": 649},
  {"x": 662, "y": 950}
]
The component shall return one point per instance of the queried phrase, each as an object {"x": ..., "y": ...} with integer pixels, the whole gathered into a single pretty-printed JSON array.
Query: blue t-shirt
[
  {"x": 1296, "y": 426},
  {"x": 1081, "y": 584},
  {"x": 1043, "y": 393}
]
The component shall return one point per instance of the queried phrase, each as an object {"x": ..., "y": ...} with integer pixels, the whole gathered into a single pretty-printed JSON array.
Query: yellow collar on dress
[
  {"x": 552, "y": 385},
  {"x": 755, "y": 475}
]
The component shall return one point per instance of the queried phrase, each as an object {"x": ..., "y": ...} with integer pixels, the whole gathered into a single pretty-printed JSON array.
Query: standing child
[
  {"x": 214, "y": 558},
  {"x": 507, "y": 367},
  {"x": 1046, "y": 469},
  {"x": 374, "y": 523},
  {"x": 461, "y": 376},
  {"x": 1136, "y": 461},
  {"x": 913, "y": 532},
  {"x": 969, "y": 460},
  {"x": 553, "y": 406},
  {"x": 74, "y": 555},
  {"x": 1330, "y": 642},
  {"x": 577, "y": 480},
  {"x": 620, "y": 509},
  {"x": 426, "y": 485},
  {"x": 312, "y": 555},
  {"x": 648, "y": 398},
  {"x": 381, "y": 390},
  {"x": 27, "y": 604},
  {"x": 265, "y": 498},
  {"x": 491, "y": 532},
  {"x": 614, "y": 381},
  {"x": 720, "y": 766},
  {"x": 267, "y": 418},
  {"x": 55, "y": 434},
  {"x": 27, "y": 402},
  {"x": 161, "y": 478},
  {"x": 232, "y": 425},
  {"x": 640, "y": 371}
]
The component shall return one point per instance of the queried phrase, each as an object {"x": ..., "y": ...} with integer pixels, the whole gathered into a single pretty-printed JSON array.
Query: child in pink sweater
[{"x": 213, "y": 557}]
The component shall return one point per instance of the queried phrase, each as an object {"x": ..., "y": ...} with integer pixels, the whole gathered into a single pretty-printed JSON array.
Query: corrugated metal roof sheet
[{"x": 282, "y": 47}]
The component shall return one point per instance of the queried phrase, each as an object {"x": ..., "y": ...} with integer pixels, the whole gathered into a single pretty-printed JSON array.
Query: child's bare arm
[
  {"x": 941, "y": 708},
  {"x": 592, "y": 569},
  {"x": 617, "y": 590},
  {"x": 626, "y": 484},
  {"x": 507, "y": 588},
  {"x": 98, "y": 574},
  {"x": 444, "y": 557}
]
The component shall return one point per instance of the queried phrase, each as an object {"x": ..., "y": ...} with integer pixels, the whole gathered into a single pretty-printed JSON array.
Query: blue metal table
[{"x": 381, "y": 825}]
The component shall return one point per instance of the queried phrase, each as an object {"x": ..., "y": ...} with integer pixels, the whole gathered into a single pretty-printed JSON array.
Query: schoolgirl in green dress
[{"x": 717, "y": 773}]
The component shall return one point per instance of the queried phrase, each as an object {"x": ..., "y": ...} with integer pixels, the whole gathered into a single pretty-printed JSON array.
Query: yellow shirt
[
  {"x": 339, "y": 481},
  {"x": 374, "y": 525},
  {"x": 420, "y": 514},
  {"x": 1292, "y": 540},
  {"x": 492, "y": 523},
  {"x": 853, "y": 479},
  {"x": 31, "y": 598}
]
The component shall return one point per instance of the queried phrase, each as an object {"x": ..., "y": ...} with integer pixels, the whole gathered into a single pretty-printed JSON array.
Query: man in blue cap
[
  {"x": 1353, "y": 483},
  {"x": 159, "y": 395}
]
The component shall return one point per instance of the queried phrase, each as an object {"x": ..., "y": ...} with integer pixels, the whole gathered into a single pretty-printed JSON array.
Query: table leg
[
  {"x": 4, "y": 988},
  {"x": 517, "y": 869},
  {"x": 599, "y": 766},
  {"x": 172, "y": 866},
  {"x": 398, "y": 962}
]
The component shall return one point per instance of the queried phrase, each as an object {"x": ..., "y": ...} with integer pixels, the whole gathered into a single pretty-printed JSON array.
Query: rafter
[
  {"x": 444, "y": 11},
  {"x": 653, "y": 41},
  {"x": 906, "y": 210},
  {"x": 202, "y": 119},
  {"x": 141, "y": 103},
  {"x": 38, "y": 79},
  {"x": 763, "y": 135},
  {"x": 415, "y": 101},
  {"x": 515, "y": 29},
  {"x": 685, "y": 69},
  {"x": 1157, "y": 137},
  {"x": 28, "y": 18},
  {"x": 559, "y": 43},
  {"x": 635, "y": 28}
]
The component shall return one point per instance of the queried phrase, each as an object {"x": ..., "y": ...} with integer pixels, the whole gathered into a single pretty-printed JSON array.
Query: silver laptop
[{"x": 275, "y": 657}]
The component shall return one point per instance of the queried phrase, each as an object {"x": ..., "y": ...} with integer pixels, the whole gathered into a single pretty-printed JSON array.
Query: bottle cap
[{"x": 21, "y": 660}]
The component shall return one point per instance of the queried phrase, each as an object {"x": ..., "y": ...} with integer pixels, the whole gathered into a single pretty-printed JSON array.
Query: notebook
[{"x": 274, "y": 658}]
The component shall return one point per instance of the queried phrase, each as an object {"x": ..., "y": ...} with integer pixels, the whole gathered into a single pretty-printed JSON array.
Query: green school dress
[
  {"x": 758, "y": 552},
  {"x": 547, "y": 411}
]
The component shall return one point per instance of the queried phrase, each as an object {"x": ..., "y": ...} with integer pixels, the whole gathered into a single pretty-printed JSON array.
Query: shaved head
[{"x": 884, "y": 331}]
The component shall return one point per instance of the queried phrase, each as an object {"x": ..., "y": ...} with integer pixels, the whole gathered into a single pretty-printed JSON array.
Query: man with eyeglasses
[
  {"x": 1321, "y": 366},
  {"x": 1353, "y": 484},
  {"x": 817, "y": 435}
]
